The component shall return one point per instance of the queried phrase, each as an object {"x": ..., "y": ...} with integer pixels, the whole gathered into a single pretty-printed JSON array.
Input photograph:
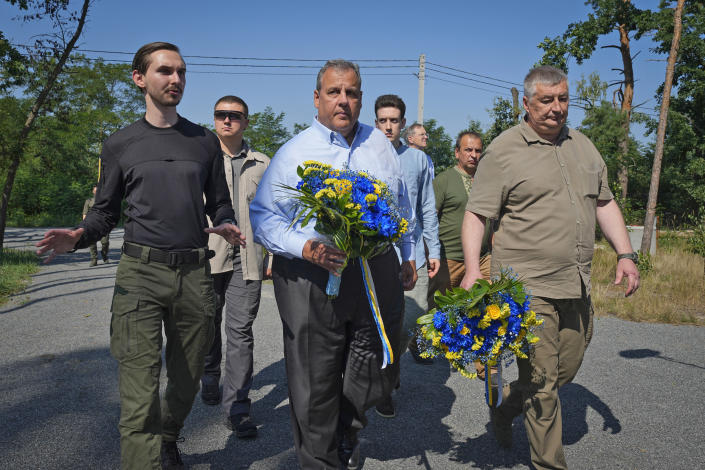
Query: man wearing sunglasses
[{"x": 237, "y": 274}]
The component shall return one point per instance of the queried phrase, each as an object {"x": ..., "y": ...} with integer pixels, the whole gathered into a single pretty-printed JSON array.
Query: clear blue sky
[{"x": 497, "y": 39}]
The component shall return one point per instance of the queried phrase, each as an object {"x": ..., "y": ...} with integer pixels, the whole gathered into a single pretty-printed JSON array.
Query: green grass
[
  {"x": 16, "y": 267},
  {"x": 671, "y": 292}
]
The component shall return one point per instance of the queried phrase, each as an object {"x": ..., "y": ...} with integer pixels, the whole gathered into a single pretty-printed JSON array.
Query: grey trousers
[
  {"x": 333, "y": 352},
  {"x": 241, "y": 299}
]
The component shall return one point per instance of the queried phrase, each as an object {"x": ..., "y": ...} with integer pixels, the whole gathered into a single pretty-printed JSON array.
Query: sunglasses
[{"x": 232, "y": 115}]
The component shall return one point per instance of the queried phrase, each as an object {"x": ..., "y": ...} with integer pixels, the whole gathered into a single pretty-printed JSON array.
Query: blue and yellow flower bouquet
[
  {"x": 359, "y": 215},
  {"x": 489, "y": 323}
]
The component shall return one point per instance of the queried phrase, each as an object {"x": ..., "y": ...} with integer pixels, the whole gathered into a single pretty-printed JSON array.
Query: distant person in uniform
[
  {"x": 104, "y": 242},
  {"x": 162, "y": 165},
  {"x": 237, "y": 274}
]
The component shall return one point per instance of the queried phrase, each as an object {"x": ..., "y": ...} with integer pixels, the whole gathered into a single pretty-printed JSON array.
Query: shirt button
[{"x": 572, "y": 202}]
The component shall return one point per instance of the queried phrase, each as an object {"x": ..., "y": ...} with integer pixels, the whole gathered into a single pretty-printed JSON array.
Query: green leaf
[{"x": 426, "y": 319}]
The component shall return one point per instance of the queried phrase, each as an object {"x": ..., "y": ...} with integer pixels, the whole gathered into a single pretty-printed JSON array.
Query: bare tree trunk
[
  {"x": 623, "y": 173},
  {"x": 661, "y": 133},
  {"x": 29, "y": 122}
]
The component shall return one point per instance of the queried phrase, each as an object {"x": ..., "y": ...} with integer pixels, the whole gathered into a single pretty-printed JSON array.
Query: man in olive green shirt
[
  {"x": 547, "y": 184},
  {"x": 451, "y": 189}
]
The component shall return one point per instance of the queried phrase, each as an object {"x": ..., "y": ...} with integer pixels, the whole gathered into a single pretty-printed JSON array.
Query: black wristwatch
[{"x": 634, "y": 256}]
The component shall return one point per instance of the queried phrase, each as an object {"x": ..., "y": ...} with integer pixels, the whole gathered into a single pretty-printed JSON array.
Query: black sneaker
[
  {"x": 385, "y": 408},
  {"x": 210, "y": 391},
  {"x": 242, "y": 425},
  {"x": 171, "y": 457}
]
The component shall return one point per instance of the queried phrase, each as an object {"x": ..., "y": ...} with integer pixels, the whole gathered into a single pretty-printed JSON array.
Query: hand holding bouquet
[
  {"x": 488, "y": 323},
  {"x": 359, "y": 215}
]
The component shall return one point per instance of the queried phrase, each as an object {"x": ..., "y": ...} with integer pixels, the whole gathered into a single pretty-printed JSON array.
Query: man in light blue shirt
[
  {"x": 332, "y": 349},
  {"x": 418, "y": 175}
]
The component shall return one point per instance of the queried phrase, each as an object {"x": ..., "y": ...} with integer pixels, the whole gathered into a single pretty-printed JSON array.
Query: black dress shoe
[
  {"x": 210, "y": 391},
  {"x": 242, "y": 426},
  {"x": 349, "y": 454}
]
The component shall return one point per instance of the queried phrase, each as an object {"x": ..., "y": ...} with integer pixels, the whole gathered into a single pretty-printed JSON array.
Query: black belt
[{"x": 170, "y": 258}]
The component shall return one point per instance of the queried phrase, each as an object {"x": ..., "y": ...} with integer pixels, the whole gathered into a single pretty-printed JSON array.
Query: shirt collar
[
  {"x": 334, "y": 137},
  {"x": 531, "y": 137},
  {"x": 245, "y": 153}
]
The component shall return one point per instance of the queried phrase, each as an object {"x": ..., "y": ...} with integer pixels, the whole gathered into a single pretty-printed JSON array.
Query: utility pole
[
  {"x": 422, "y": 78},
  {"x": 516, "y": 112}
]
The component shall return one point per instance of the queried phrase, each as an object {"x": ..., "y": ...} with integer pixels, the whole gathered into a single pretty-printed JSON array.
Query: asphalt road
[{"x": 637, "y": 402}]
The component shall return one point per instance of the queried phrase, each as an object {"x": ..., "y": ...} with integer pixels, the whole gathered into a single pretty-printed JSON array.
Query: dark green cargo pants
[
  {"x": 147, "y": 295},
  {"x": 104, "y": 247}
]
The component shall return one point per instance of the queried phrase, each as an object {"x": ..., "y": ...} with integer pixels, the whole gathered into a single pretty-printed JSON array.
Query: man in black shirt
[{"x": 162, "y": 165}]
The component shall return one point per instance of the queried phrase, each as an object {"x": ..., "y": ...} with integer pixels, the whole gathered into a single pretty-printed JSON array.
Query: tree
[
  {"x": 504, "y": 116},
  {"x": 602, "y": 124},
  {"x": 440, "y": 146},
  {"x": 89, "y": 101},
  {"x": 661, "y": 133},
  {"x": 55, "y": 9},
  {"x": 682, "y": 187},
  {"x": 266, "y": 132},
  {"x": 580, "y": 40},
  {"x": 300, "y": 126}
]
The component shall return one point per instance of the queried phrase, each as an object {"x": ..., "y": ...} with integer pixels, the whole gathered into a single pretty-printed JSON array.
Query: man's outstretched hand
[
  {"x": 230, "y": 232},
  {"x": 57, "y": 241}
]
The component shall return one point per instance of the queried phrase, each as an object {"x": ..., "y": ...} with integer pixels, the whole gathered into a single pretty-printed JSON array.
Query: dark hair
[
  {"x": 340, "y": 65},
  {"x": 466, "y": 133},
  {"x": 390, "y": 101},
  {"x": 142, "y": 60},
  {"x": 233, "y": 99}
]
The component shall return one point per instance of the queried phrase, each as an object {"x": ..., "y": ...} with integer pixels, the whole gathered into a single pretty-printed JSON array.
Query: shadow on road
[
  {"x": 66, "y": 402},
  {"x": 646, "y": 353},
  {"x": 483, "y": 452},
  {"x": 271, "y": 414}
]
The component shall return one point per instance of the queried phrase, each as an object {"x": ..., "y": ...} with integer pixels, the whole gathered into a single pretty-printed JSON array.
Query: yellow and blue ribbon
[
  {"x": 376, "y": 313},
  {"x": 489, "y": 397}
]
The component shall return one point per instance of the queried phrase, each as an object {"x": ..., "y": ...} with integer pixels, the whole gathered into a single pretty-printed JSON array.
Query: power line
[
  {"x": 467, "y": 78},
  {"x": 467, "y": 86},
  {"x": 476, "y": 74},
  {"x": 232, "y": 58}
]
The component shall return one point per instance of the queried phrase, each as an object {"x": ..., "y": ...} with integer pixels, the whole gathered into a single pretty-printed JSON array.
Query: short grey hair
[
  {"x": 544, "y": 74},
  {"x": 339, "y": 65}
]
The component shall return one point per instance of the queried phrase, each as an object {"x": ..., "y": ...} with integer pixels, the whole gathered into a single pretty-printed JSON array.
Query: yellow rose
[{"x": 493, "y": 311}]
